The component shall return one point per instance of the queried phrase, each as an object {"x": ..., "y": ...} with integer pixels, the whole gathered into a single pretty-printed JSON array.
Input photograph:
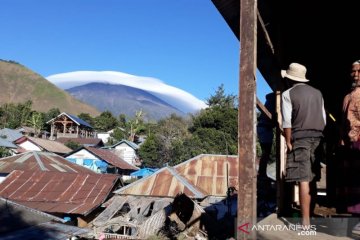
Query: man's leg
[
  {"x": 305, "y": 199},
  {"x": 265, "y": 156}
]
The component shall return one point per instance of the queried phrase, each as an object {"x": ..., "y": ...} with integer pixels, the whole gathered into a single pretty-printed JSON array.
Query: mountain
[
  {"x": 118, "y": 99},
  {"x": 180, "y": 99},
  {"x": 19, "y": 84}
]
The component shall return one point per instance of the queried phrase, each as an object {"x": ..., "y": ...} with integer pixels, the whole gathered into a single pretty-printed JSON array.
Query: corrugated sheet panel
[
  {"x": 211, "y": 173},
  {"x": 40, "y": 161},
  {"x": 198, "y": 177},
  {"x": 57, "y": 192},
  {"x": 49, "y": 145},
  {"x": 165, "y": 183},
  {"x": 48, "y": 230}
]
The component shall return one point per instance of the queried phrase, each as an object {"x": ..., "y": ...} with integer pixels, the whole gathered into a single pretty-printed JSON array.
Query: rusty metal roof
[
  {"x": 40, "y": 161},
  {"x": 164, "y": 183},
  {"x": 211, "y": 173},
  {"x": 58, "y": 192},
  {"x": 45, "y": 144},
  {"x": 198, "y": 177}
]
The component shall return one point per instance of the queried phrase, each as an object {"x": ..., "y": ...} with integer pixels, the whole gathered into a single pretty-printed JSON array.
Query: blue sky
[{"x": 184, "y": 43}]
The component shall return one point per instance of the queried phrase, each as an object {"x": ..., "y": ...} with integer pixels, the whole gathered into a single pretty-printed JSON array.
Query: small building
[
  {"x": 126, "y": 150},
  {"x": 38, "y": 161},
  {"x": 40, "y": 144},
  {"x": 101, "y": 161},
  {"x": 67, "y": 125},
  {"x": 77, "y": 196}
]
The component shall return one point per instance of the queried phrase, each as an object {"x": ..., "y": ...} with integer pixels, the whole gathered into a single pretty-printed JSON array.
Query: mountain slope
[
  {"x": 19, "y": 84},
  {"x": 123, "y": 99}
]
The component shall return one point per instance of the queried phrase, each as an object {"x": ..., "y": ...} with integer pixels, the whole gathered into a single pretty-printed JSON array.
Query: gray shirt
[{"x": 303, "y": 111}]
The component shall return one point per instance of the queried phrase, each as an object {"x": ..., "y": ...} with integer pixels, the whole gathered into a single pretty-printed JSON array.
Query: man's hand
[{"x": 289, "y": 147}]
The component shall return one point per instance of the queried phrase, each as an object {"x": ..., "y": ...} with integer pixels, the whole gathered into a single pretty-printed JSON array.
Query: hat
[{"x": 295, "y": 72}]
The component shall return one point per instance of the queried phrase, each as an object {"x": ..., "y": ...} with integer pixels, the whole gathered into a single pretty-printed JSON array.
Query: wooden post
[{"x": 246, "y": 215}]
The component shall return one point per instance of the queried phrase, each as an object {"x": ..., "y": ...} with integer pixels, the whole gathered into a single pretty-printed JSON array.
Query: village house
[
  {"x": 126, "y": 150},
  {"x": 101, "y": 161},
  {"x": 73, "y": 196},
  {"x": 204, "y": 179},
  {"x": 41, "y": 144},
  {"x": 20, "y": 222}
]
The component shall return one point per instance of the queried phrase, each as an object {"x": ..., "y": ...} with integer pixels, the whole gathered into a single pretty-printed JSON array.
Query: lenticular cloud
[{"x": 180, "y": 99}]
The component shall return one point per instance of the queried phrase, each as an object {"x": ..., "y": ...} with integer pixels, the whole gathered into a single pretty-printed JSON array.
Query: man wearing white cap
[{"x": 304, "y": 120}]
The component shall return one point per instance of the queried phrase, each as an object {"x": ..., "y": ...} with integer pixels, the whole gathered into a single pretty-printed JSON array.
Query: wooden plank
[
  {"x": 246, "y": 214},
  {"x": 111, "y": 210}
]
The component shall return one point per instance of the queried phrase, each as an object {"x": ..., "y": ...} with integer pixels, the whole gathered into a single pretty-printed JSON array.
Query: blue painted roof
[
  {"x": 79, "y": 120},
  {"x": 10, "y": 134},
  {"x": 7, "y": 144}
]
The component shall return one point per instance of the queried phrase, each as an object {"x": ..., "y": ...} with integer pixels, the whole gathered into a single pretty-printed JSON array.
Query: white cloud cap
[{"x": 180, "y": 99}]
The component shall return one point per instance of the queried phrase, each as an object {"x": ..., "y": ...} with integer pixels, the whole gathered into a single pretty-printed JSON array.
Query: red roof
[
  {"x": 56, "y": 192},
  {"x": 40, "y": 161}
]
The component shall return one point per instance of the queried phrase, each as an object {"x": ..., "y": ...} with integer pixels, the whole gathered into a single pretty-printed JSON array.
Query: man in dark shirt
[{"x": 304, "y": 120}]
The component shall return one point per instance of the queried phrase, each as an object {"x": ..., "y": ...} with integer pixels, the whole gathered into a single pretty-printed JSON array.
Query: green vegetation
[{"x": 19, "y": 84}]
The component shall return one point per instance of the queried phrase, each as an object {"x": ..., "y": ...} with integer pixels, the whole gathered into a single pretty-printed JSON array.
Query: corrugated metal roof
[
  {"x": 47, "y": 230},
  {"x": 129, "y": 143},
  {"x": 48, "y": 145},
  {"x": 111, "y": 158},
  {"x": 10, "y": 134},
  {"x": 7, "y": 144},
  {"x": 77, "y": 120},
  {"x": 211, "y": 173},
  {"x": 57, "y": 192},
  {"x": 164, "y": 183},
  {"x": 40, "y": 161},
  {"x": 15, "y": 216},
  {"x": 198, "y": 177}
]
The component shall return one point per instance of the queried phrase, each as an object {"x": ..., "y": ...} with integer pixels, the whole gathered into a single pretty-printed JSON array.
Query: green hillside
[{"x": 19, "y": 84}]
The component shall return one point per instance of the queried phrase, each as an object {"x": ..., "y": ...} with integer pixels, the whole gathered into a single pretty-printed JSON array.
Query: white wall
[{"x": 27, "y": 145}]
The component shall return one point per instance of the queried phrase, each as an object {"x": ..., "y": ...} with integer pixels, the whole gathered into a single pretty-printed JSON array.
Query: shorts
[{"x": 303, "y": 162}]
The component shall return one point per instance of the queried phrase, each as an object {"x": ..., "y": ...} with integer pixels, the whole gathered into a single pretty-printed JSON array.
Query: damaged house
[{"x": 170, "y": 201}]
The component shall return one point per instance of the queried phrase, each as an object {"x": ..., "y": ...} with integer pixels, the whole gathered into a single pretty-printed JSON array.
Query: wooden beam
[
  {"x": 246, "y": 215},
  {"x": 260, "y": 106}
]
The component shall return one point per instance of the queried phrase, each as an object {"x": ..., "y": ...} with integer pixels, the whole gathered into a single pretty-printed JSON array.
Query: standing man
[
  {"x": 304, "y": 120},
  {"x": 350, "y": 139},
  {"x": 265, "y": 133}
]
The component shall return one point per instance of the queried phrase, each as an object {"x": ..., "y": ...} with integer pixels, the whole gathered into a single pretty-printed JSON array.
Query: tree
[
  {"x": 4, "y": 152},
  {"x": 73, "y": 145},
  {"x": 220, "y": 99},
  {"x": 36, "y": 121},
  {"x": 14, "y": 116},
  {"x": 149, "y": 152},
  {"x": 135, "y": 125},
  {"x": 106, "y": 121},
  {"x": 87, "y": 118}
]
